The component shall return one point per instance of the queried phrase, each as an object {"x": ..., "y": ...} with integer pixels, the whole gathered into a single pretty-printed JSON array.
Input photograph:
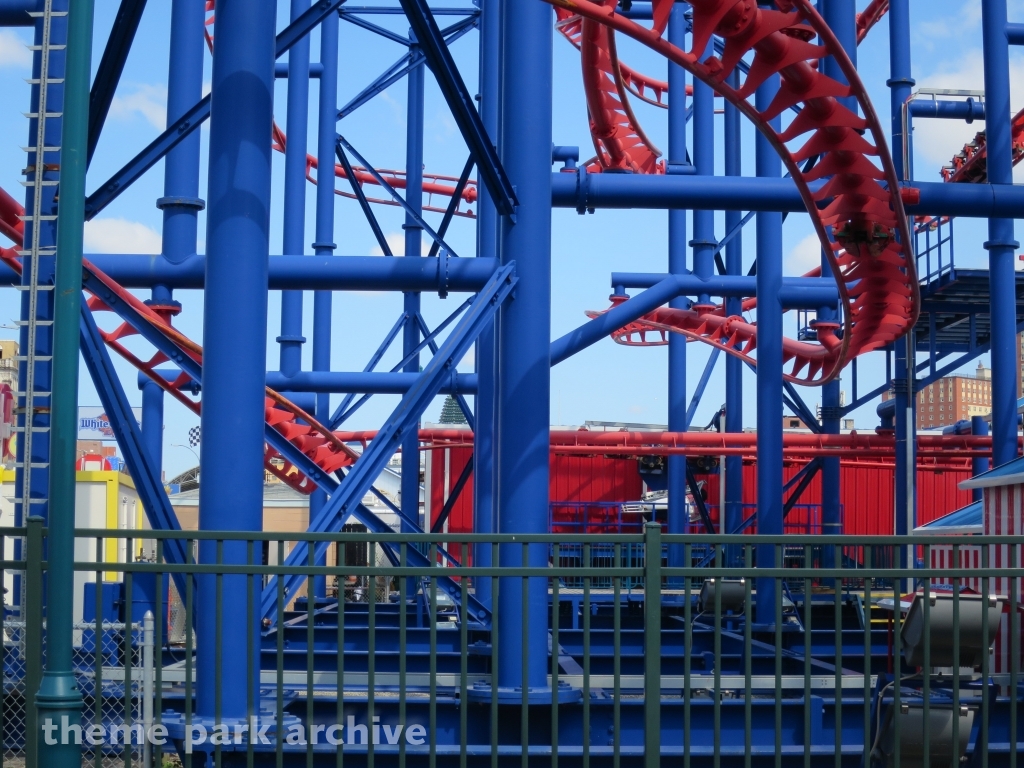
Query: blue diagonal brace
[
  {"x": 395, "y": 196},
  {"x": 698, "y": 393},
  {"x": 402, "y": 67},
  {"x": 191, "y": 120},
  {"x": 129, "y": 438},
  {"x": 122, "y": 34},
  {"x": 460, "y": 102},
  {"x": 384, "y": 345},
  {"x": 277, "y": 441},
  {"x": 364, "y": 204},
  {"x": 344, "y": 502},
  {"x": 463, "y": 405}
]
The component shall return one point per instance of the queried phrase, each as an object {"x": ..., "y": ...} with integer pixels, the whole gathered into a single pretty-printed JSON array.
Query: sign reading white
[{"x": 94, "y": 424}]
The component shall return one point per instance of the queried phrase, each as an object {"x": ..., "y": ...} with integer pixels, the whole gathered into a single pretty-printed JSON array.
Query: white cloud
[
  {"x": 120, "y": 236},
  {"x": 805, "y": 256},
  {"x": 13, "y": 50},
  {"x": 396, "y": 241},
  {"x": 148, "y": 101}
]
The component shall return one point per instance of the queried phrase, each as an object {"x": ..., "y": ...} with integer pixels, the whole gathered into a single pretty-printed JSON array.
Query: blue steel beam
[
  {"x": 364, "y": 204},
  {"x": 796, "y": 292},
  {"x": 460, "y": 102},
  {"x": 126, "y": 24},
  {"x": 381, "y": 349},
  {"x": 463, "y": 405},
  {"x": 678, "y": 160},
  {"x": 453, "y": 206},
  {"x": 376, "y": 29},
  {"x": 409, "y": 210},
  {"x": 129, "y": 439},
  {"x": 193, "y": 118},
  {"x": 344, "y": 501},
  {"x": 324, "y": 244},
  {"x": 342, "y": 416},
  {"x": 377, "y": 383},
  {"x": 584, "y": 191},
  {"x": 805, "y": 413},
  {"x": 350, "y": 273},
  {"x": 402, "y": 67}
]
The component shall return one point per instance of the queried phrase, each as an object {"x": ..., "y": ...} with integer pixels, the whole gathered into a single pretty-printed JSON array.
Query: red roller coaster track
[{"x": 871, "y": 253}]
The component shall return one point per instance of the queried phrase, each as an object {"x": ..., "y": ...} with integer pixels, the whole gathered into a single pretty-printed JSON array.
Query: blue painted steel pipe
[
  {"x": 968, "y": 109},
  {"x": 1001, "y": 244},
  {"x": 524, "y": 399},
  {"x": 324, "y": 245},
  {"x": 297, "y": 126},
  {"x": 234, "y": 338},
  {"x": 487, "y": 247},
  {"x": 281, "y": 70},
  {"x": 1015, "y": 34},
  {"x": 674, "y": 191},
  {"x": 153, "y": 423},
  {"x": 677, "y": 255},
  {"x": 181, "y": 203},
  {"x": 841, "y": 16},
  {"x": 704, "y": 242},
  {"x": 411, "y": 300},
  {"x": 900, "y": 84},
  {"x": 733, "y": 517},
  {"x": 980, "y": 464},
  {"x": 795, "y": 293},
  {"x": 769, "y": 365},
  {"x": 376, "y": 382},
  {"x": 343, "y": 273}
]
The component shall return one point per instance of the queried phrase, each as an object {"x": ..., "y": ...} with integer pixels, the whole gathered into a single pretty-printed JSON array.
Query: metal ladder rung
[
  {"x": 45, "y": 149},
  {"x": 40, "y": 183},
  {"x": 37, "y": 358},
  {"x": 47, "y": 115},
  {"x": 52, "y": 47},
  {"x": 49, "y": 80},
  {"x": 31, "y": 501},
  {"x": 41, "y": 217},
  {"x": 33, "y": 429},
  {"x": 37, "y": 322},
  {"x": 36, "y": 393},
  {"x": 29, "y": 287},
  {"x": 43, "y": 250},
  {"x": 34, "y": 465}
]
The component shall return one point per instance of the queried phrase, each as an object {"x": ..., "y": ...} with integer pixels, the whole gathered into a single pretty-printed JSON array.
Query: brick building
[{"x": 955, "y": 398}]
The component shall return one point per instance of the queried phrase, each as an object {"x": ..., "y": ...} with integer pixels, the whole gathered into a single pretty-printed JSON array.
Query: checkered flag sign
[{"x": 193, "y": 437}]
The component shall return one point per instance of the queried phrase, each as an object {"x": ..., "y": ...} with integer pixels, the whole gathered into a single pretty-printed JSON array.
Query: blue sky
[{"x": 606, "y": 382}]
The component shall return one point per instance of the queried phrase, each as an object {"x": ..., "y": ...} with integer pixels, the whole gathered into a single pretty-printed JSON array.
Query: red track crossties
[{"x": 860, "y": 223}]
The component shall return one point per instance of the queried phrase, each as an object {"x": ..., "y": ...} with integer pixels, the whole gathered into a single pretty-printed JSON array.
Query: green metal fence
[{"x": 681, "y": 672}]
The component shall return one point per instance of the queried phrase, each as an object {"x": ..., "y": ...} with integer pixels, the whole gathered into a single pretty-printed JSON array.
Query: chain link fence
[{"x": 99, "y": 663}]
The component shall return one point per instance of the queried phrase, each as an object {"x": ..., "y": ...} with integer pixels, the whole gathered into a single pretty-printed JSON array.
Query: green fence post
[
  {"x": 652, "y": 645},
  {"x": 58, "y": 696},
  {"x": 32, "y": 634}
]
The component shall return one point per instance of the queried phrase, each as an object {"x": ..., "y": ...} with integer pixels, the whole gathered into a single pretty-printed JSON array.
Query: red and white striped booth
[{"x": 1002, "y": 514}]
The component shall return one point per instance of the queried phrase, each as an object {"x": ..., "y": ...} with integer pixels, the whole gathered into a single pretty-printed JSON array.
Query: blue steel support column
[
  {"x": 900, "y": 84},
  {"x": 324, "y": 245},
  {"x": 733, "y": 515},
  {"x": 704, "y": 242},
  {"x": 677, "y": 517},
  {"x": 769, "y": 365},
  {"x": 294, "y": 240},
  {"x": 487, "y": 246},
  {"x": 1001, "y": 243},
  {"x": 841, "y": 16},
  {"x": 979, "y": 426},
  {"x": 524, "y": 337},
  {"x": 153, "y": 423},
  {"x": 234, "y": 339},
  {"x": 181, "y": 203},
  {"x": 413, "y": 247}
]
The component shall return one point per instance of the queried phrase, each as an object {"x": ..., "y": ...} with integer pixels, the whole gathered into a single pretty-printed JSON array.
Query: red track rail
[
  {"x": 971, "y": 165},
  {"x": 871, "y": 256},
  {"x": 313, "y": 439}
]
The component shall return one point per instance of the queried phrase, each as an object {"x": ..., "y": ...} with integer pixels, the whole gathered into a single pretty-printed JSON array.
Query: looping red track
[{"x": 860, "y": 223}]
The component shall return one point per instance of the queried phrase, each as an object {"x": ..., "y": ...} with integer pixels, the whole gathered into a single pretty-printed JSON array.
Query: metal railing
[{"x": 804, "y": 663}]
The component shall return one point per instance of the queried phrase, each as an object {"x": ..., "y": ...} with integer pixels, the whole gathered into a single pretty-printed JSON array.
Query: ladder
[{"x": 38, "y": 252}]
